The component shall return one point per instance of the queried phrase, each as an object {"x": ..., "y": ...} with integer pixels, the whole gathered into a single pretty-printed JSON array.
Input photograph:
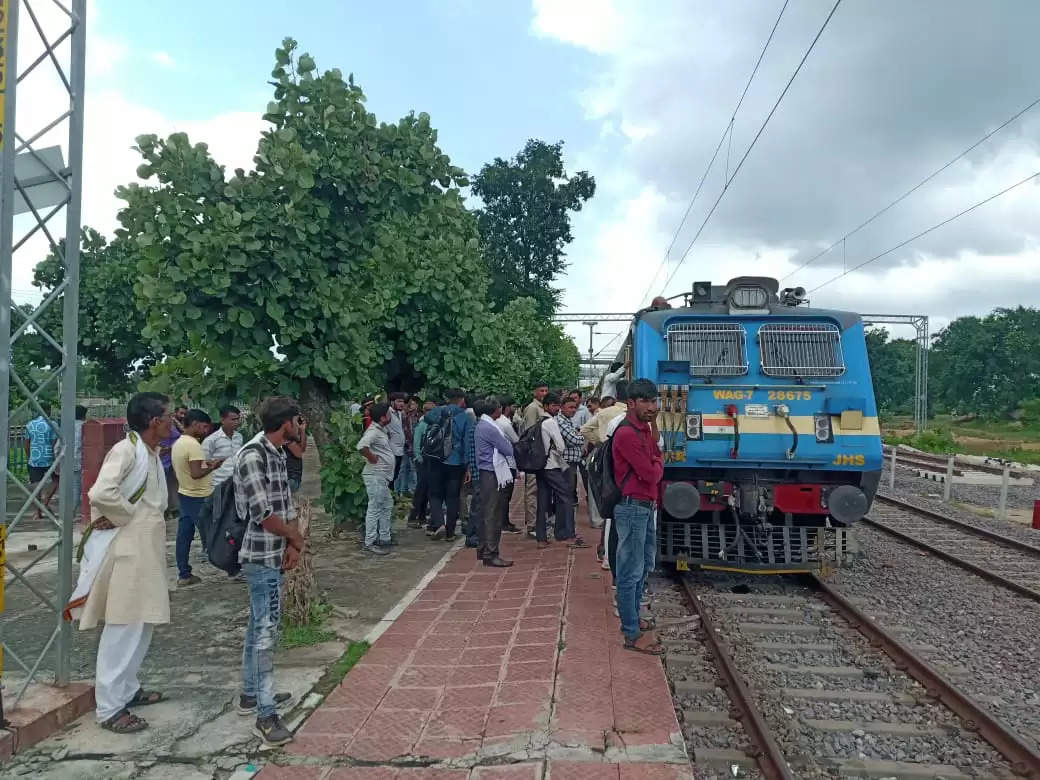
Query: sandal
[
  {"x": 124, "y": 722},
  {"x": 143, "y": 698},
  {"x": 647, "y": 624},
  {"x": 646, "y": 644}
]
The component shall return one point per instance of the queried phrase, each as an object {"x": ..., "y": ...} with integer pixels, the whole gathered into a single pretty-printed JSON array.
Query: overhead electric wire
[
  {"x": 727, "y": 131},
  {"x": 925, "y": 232},
  {"x": 725, "y": 187},
  {"x": 916, "y": 187}
]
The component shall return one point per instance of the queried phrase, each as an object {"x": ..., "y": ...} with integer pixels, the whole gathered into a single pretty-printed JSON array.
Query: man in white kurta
[{"x": 129, "y": 593}]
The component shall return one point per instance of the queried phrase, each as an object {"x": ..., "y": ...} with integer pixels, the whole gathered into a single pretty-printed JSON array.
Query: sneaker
[
  {"x": 532, "y": 534},
  {"x": 509, "y": 528},
  {"x": 472, "y": 541},
  {"x": 247, "y": 704},
  {"x": 439, "y": 533},
  {"x": 374, "y": 549},
  {"x": 388, "y": 543},
  {"x": 191, "y": 579},
  {"x": 450, "y": 538},
  {"x": 605, "y": 564},
  {"x": 272, "y": 731}
]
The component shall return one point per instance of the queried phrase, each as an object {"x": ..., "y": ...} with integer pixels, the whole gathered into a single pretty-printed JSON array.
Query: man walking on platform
[
  {"x": 532, "y": 413},
  {"x": 638, "y": 470}
]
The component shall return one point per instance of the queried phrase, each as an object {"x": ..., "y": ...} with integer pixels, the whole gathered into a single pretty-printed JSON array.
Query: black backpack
[
  {"x": 437, "y": 441},
  {"x": 530, "y": 453},
  {"x": 221, "y": 527},
  {"x": 605, "y": 489}
]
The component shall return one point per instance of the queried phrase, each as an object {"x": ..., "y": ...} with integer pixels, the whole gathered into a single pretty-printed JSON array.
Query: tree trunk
[{"x": 316, "y": 405}]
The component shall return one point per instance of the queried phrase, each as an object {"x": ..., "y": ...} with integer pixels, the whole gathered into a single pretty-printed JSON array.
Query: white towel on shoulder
[{"x": 503, "y": 473}]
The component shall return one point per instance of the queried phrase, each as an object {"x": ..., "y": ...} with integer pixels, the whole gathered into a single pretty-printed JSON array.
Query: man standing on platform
[
  {"x": 194, "y": 486},
  {"x": 574, "y": 450},
  {"x": 505, "y": 424},
  {"x": 378, "y": 475},
  {"x": 421, "y": 499},
  {"x": 532, "y": 413},
  {"x": 492, "y": 450},
  {"x": 224, "y": 443},
  {"x": 122, "y": 579},
  {"x": 638, "y": 470},
  {"x": 552, "y": 484}
]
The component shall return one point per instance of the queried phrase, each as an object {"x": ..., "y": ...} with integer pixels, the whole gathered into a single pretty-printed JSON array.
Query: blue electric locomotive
[{"x": 771, "y": 441}]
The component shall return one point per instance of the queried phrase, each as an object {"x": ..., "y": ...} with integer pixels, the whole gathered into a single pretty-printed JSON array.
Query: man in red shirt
[{"x": 638, "y": 469}]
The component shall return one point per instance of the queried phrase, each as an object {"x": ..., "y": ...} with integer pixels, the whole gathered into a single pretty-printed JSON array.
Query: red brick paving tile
[
  {"x": 537, "y": 637},
  {"x": 443, "y": 641},
  {"x": 363, "y": 773},
  {"x": 387, "y": 735},
  {"x": 514, "y": 772},
  {"x": 509, "y": 719},
  {"x": 386, "y": 656},
  {"x": 347, "y": 695},
  {"x": 497, "y": 639},
  {"x": 467, "y": 696},
  {"x": 581, "y": 770},
  {"x": 516, "y": 692},
  {"x": 469, "y": 604},
  {"x": 487, "y": 626},
  {"x": 474, "y": 675},
  {"x": 655, "y": 772},
  {"x": 462, "y": 723},
  {"x": 543, "y": 653},
  {"x": 572, "y": 716},
  {"x": 452, "y": 626},
  {"x": 509, "y": 593},
  {"x": 428, "y": 657},
  {"x": 431, "y": 773},
  {"x": 370, "y": 673},
  {"x": 497, "y": 603},
  {"x": 544, "y": 623},
  {"x": 337, "y": 721},
  {"x": 549, "y": 601},
  {"x": 480, "y": 656},
  {"x": 319, "y": 745},
  {"x": 547, "y": 612},
  {"x": 529, "y": 670},
  {"x": 404, "y": 698},
  {"x": 425, "y": 676},
  {"x": 273, "y": 772},
  {"x": 510, "y": 613},
  {"x": 440, "y": 749}
]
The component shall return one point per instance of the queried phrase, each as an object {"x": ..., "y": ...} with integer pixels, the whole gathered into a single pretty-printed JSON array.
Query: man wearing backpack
[
  {"x": 271, "y": 545},
  {"x": 638, "y": 470},
  {"x": 532, "y": 413},
  {"x": 446, "y": 454},
  {"x": 551, "y": 481}
]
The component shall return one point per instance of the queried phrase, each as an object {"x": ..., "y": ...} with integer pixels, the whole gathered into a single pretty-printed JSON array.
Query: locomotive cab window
[
  {"x": 711, "y": 348},
  {"x": 801, "y": 349}
]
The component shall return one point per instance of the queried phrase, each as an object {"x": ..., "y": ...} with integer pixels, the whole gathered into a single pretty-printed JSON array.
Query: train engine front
[{"x": 771, "y": 441}]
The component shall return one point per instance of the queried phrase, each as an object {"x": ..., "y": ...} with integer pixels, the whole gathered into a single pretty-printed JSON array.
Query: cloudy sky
[{"x": 641, "y": 94}]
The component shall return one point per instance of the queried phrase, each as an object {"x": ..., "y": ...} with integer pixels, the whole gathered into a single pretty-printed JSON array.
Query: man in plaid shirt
[
  {"x": 271, "y": 545},
  {"x": 573, "y": 452}
]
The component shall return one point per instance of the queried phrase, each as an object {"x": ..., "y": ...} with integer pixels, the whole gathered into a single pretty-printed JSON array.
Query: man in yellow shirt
[{"x": 194, "y": 485}]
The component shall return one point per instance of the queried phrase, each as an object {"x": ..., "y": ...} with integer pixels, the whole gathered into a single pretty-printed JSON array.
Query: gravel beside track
[
  {"x": 782, "y": 637},
  {"x": 982, "y": 636},
  {"x": 928, "y": 493}
]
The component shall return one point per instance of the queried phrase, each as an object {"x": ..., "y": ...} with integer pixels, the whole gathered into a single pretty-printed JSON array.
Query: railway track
[
  {"x": 1001, "y": 559},
  {"x": 793, "y": 681}
]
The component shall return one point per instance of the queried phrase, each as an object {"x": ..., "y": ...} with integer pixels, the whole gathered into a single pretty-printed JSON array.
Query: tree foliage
[
  {"x": 525, "y": 222},
  {"x": 892, "y": 367},
  {"x": 110, "y": 324},
  {"x": 987, "y": 365},
  {"x": 348, "y": 251}
]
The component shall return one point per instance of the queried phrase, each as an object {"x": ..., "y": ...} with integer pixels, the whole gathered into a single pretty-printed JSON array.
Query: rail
[
  {"x": 766, "y": 752},
  {"x": 960, "y": 465},
  {"x": 1024, "y": 759}
]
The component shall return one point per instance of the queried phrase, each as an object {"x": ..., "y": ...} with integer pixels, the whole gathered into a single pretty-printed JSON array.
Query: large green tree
[
  {"x": 346, "y": 260},
  {"x": 110, "y": 323},
  {"x": 893, "y": 365},
  {"x": 987, "y": 365},
  {"x": 525, "y": 223}
]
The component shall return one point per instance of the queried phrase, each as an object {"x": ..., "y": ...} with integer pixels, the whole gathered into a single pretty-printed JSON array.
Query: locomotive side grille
[
  {"x": 711, "y": 348},
  {"x": 799, "y": 350}
]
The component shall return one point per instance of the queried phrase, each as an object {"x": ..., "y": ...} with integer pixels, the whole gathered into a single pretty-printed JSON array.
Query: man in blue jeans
[
  {"x": 194, "y": 486},
  {"x": 271, "y": 545},
  {"x": 638, "y": 469}
]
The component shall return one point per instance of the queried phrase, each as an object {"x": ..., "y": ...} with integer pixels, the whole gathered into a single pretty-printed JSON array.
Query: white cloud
[
  {"x": 876, "y": 108},
  {"x": 163, "y": 58}
]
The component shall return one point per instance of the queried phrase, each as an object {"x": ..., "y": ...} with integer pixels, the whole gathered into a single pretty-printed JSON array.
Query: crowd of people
[
  {"x": 462, "y": 454},
  {"x": 181, "y": 455},
  {"x": 458, "y": 460}
]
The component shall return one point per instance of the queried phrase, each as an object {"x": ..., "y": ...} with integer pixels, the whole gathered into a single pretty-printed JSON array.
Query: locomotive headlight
[
  {"x": 824, "y": 432},
  {"x": 693, "y": 426}
]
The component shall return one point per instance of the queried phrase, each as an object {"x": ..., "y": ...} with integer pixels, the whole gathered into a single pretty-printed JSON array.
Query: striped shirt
[{"x": 574, "y": 442}]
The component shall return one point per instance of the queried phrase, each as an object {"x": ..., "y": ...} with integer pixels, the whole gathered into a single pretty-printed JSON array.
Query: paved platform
[{"x": 498, "y": 673}]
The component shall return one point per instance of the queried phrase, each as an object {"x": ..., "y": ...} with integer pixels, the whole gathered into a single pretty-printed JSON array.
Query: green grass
[
  {"x": 334, "y": 674},
  {"x": 989, "y": 438},
  {"x": 311, "y": 632}
]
